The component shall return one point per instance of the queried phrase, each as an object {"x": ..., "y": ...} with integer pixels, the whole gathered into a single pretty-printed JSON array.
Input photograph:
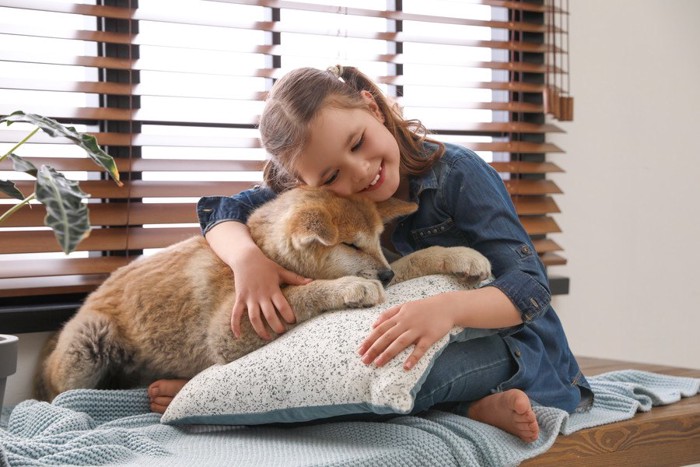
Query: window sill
[{"x": 50, "y": 315}]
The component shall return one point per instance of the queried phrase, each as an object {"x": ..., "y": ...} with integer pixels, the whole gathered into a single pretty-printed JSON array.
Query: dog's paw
[
  {"x": 357, "y": 292},
  {"x": 470, "y": 266}
]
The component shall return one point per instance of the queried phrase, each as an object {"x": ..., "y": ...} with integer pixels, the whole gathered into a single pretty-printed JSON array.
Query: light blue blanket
[{"x": 89, "y": 427}]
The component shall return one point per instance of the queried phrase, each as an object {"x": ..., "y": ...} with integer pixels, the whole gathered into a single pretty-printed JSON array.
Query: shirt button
[
  {"x": 525, "y": 250},
  {"x": 517, "y": 353}
]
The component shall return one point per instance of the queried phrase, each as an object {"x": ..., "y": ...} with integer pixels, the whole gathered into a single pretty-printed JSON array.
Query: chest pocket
[{"x": 444, "y": 234}]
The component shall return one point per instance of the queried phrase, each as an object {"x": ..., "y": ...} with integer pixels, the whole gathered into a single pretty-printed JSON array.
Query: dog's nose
[{"x": 386, "y": 276}]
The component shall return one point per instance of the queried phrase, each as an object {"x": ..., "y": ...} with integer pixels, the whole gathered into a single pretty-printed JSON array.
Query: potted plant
[
  {"x": 8, "y": 361},
  {"x": 66, "y": 213}
]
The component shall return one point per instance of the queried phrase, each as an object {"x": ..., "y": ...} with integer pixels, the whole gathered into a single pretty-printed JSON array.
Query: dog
[{"x": 168, "y": 315}]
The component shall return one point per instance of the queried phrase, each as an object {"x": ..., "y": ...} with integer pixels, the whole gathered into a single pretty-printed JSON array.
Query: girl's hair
[{"x": 298, "y": 97}]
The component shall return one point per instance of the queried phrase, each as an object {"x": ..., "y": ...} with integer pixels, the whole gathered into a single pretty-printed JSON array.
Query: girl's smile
[{"x": 378, "y": 180}]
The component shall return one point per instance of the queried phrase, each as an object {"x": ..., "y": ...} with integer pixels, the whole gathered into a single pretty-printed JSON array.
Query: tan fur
[{"x": 168, "y": 315}]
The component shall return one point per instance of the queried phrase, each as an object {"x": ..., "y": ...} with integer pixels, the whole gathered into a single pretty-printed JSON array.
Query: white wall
[
  {"x": 630, "y": 217},
  {"x": 631, "y": 208}
]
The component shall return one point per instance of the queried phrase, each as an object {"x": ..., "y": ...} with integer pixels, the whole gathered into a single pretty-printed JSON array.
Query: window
[{"x": 173, "y": 89}]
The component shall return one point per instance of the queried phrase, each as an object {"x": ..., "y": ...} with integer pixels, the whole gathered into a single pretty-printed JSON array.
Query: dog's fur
[{"x": 168, "y": 315}]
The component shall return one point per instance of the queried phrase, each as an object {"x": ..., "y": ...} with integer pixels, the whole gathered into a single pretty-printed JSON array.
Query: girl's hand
[
  {"x": 257, "y": 280},
  {"x": 422, "y": 322}
]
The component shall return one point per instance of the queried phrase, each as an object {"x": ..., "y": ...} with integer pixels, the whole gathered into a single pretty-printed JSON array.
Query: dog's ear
[
  {"x": 393, "y": 208},
  {"x": 313, "y": 225}
]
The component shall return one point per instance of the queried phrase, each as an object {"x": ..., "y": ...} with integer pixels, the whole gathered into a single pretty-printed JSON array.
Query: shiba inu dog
[{"x": 168, "y": 315}]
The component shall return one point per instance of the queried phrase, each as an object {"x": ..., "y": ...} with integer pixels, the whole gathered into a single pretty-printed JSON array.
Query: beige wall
[
  {"x": 631, "y": 209},
  {"x": 631, "y": 214}
]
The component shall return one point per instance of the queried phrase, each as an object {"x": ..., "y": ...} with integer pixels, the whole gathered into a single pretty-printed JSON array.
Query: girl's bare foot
[
  {"x": 510, "y": 411},
  {"x": 162, "y": 392}
]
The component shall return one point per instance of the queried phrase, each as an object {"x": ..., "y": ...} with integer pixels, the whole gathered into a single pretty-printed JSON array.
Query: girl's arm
[
  {"x": 424, "y": 322},
  {"x": 257, "y": 279},
  {"x": 475, "y": 198}
]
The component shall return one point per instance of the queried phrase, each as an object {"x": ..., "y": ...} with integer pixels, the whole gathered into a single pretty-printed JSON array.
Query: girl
[{"x": 337, "y": 130}]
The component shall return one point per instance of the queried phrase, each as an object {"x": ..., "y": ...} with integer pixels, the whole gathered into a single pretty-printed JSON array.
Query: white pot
[{"x": 8, "y": 361}]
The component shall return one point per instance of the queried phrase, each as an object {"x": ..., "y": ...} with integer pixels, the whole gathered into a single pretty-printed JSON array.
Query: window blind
[{"x": 173, "y": 89}]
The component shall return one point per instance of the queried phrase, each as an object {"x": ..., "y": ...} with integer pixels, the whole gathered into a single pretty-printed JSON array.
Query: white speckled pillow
[{"x": 314, "y": 371}]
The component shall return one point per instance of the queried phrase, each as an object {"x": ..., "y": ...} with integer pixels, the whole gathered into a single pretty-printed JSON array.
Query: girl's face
[{"x": 350, "y": 151}]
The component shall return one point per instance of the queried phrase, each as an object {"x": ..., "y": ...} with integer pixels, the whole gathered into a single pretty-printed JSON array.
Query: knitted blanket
[{"x": 90, "y": 427}]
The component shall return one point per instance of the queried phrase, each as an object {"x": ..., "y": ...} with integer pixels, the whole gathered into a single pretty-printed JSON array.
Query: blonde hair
[{"x": 298, "y": 97}]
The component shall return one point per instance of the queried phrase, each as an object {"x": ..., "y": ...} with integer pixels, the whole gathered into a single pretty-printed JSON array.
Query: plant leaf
[
  {"x": 10, "y": 189},
  {"x": 20, "y": 164},
  {"x": 85, "y": 141},
  {"x": 66, "y": 214}
]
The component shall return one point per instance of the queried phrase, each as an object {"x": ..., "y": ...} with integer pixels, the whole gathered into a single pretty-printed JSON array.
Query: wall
[
  {"x": 629, "y": 220},
  {"x": 630, "y": 209}
]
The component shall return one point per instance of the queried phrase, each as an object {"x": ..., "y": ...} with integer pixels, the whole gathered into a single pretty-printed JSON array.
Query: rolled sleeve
[
  {"x": 482, "y": 209},
  {"x": 525, "y": 292},
  {"x": 213, "y": 210}
]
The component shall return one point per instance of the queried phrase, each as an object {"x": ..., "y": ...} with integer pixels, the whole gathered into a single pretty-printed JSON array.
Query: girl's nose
[{"x": 360, "y": 171}]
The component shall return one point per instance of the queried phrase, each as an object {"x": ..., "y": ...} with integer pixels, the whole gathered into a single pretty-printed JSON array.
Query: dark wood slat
[
  {"x": 552, "y": 259},
  {"x": 135, "y": 238},
  {"x": 534, "y": 205},
  {"x": 520, "y": 167},
  {"x": 61, "y": 267},
  {"x": 146, "y": 189},
  {"x": 546, "y": 245},
  {"x": 114, "y": 214},
  {"x": 540, "y": 225},
  {"x": 42, "y": 57},
  {"x": 143, "y": 165},
  {"x": 174, "y": 16},
  {"x": 121, "y": 139},
  {"x": 273, "y": 26}
]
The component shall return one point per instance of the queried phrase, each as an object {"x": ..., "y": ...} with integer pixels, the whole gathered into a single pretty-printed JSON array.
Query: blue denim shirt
[{"x": 463, "y": 202}]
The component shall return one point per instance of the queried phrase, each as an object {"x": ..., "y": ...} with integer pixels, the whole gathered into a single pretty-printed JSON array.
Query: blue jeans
[{"x": 465, "y": 372}]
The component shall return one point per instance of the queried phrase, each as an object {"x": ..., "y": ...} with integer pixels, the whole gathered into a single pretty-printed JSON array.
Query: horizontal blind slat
[
  {"x": 115, "y": 214},
  {"x": 58, "y": 267},
  {"x": 143, "y": 165},
  {"x": 271, "y": 26},
  {"x": 146, "y": 189},
  {"x": 539, "y": 225},
  {"x": 52, "y": 285},
  {"x": 115, "y": 63},
  {"x": 133, "y": 238}
]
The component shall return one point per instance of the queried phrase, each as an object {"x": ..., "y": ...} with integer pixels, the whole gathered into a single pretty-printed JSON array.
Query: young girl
[{"x": 337, "y": 130}]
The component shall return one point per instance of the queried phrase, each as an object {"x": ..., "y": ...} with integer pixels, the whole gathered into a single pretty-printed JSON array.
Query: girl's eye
[
  {"x": 358, "y": 145},
  {"x": 351, "y": 245},
  {"x": 331, "y": 179}
]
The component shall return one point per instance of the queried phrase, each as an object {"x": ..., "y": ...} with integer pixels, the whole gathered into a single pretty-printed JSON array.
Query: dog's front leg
[
  {"x": 470, "y": 266},
  {"x": 323, "y": 295}
]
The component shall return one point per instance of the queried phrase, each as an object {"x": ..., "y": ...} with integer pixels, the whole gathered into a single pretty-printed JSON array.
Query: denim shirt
[{"x": 462, "y": 201}]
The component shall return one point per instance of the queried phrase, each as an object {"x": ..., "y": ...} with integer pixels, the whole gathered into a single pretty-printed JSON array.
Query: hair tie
[{"x": 337, "y": 71}]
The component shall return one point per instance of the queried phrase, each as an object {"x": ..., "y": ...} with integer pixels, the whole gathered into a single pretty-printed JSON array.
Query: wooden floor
[{"x": 666, "y": 436}]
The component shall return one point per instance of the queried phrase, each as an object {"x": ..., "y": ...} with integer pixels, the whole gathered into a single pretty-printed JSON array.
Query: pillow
[{"x": 313, "y": 371}]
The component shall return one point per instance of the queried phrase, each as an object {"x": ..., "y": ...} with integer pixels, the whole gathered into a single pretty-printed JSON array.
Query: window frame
[{"x": 46, "y": 312}]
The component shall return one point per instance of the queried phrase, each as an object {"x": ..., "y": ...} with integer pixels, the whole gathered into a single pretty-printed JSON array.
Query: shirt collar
[{"x": 426, "y": 181}]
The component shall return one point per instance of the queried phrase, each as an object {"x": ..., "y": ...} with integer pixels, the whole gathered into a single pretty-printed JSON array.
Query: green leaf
[
  {"x": 20, "y": 164},
  {"x": 10, "y": 189},
  {"x": 85, "y": 141},
  {"x": 66, "y": 214}
]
